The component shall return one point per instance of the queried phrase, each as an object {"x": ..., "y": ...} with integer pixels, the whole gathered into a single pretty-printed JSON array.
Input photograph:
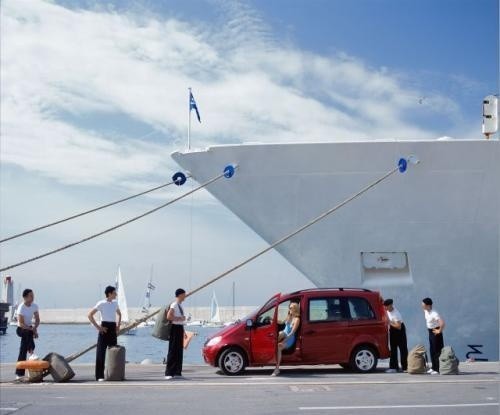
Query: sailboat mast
[{"x": 234, "y": 301}]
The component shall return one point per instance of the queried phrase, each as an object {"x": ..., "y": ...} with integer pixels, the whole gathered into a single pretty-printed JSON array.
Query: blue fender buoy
[
  {"x": 229, "y": 171},
  {"x": 179, "y": 178},
  {"x": 402, "y": 163}
]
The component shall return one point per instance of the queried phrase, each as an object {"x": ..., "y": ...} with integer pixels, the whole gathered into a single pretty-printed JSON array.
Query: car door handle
[{"x": 270, "y": 335}]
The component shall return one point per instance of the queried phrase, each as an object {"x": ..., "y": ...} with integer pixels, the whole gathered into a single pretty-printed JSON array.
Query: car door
[
  {"x": 263, "y": 334},
  {"x": 324, "y": 330},
  {"x": 362, "y": 321}
]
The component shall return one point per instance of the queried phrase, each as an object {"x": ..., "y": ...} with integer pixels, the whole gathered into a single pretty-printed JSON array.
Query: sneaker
[
  {"x": 169, "y": 377},
  {"x": 391, "y": 371},
  {"x": 429, "y": 371},
  {"x": 276, "y": 372},
  {"x": 100, "y": 380},
  {"x": 433, "y": 372},
  {"x": 19, "y": 377}
]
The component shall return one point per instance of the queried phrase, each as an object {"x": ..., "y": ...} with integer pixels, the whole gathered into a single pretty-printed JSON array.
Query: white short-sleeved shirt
[
  {"x": 27, "y": 312},
  {"x": 178, "y": 312},
  {"x": 107, "y": 310},
  {"x": 394, "y": 316},
  {"x": 432, "y": 319}
]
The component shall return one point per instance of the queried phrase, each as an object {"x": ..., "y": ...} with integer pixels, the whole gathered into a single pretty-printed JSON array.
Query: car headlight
[{"x": 213, "y": 341}]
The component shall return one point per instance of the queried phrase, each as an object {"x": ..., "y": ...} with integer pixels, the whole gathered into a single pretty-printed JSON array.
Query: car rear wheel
[
  {"x": 232, "y": 361},
  {"x": 364, "y": 359}
]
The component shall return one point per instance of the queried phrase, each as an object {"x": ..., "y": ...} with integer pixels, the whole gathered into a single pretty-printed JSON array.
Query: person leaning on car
[{"x": 397, "y": 337}]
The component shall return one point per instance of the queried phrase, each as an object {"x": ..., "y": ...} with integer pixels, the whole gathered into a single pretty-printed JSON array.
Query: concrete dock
[{"x": 204, "y": 390}]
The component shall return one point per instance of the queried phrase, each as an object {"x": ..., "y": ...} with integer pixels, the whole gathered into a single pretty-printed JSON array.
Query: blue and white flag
[{"x": 192, "y": 105}]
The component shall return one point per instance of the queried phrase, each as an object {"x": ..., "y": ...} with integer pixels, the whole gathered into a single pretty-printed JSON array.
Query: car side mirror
[{"x": 249, "y": 323}]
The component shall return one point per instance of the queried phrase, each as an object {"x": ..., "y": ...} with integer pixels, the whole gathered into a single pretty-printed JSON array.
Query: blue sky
[{"x": 94, "y": 100}]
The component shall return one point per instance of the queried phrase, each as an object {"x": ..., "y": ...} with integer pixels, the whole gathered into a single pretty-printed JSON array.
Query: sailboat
[
  {"x": 215, "y": 320},
  {"x": 147, "y": 302},
  {"x": 122, "y": 302},
  {"x": 13, "y": 310}
]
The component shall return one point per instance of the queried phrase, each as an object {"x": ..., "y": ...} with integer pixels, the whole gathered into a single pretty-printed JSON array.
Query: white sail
[
  {"x": 121, "y": 297},
  {"x": 214, "y": 310}
]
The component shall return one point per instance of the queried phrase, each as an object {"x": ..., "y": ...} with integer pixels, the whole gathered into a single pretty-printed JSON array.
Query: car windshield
[{"x": 270, "y": 303}]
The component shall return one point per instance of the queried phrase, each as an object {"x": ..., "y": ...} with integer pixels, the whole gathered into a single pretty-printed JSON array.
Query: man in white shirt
[
  {"x": 26, "y": 329},
  {"x": 397, "y": 337},
  {"x": 435, "y": 327},
  {"x": 176, "y": 343},
  {"x": 108, "y": 328}
]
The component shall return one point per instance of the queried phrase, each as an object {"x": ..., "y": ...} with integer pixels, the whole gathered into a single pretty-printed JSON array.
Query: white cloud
[{"x": 249, "y": 87}]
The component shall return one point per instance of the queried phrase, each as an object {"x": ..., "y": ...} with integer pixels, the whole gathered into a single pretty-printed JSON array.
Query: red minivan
[{"x": 337, "y": 326}]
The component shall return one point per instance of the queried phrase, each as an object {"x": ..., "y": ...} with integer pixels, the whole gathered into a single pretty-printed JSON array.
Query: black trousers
[
  {"x": 103, "y": 341},
  {"x": 436, "y": 343},
  {"x": 397, "y": 340},
  {"x": 27, "y": 344},
  {"x": 175, "y": 351}
]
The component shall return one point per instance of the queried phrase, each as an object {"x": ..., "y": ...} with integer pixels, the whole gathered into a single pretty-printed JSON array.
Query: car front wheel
[
  {"x": 364, "y": 359},
  {"x": 232, "y": 361}
]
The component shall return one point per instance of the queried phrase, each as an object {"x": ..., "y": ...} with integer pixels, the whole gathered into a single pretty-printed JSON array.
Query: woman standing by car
[{"x": 286, "y": 338}]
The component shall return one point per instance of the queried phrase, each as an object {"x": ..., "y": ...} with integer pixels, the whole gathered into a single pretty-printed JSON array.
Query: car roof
[{"x": 332, "y": 289}]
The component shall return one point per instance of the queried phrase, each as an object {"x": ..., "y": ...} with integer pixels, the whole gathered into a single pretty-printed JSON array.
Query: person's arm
[
  {"x": 20, "y": 319},
  {"x": 295, "y": 326},
  {"x": 37, "y": 323},
  {"x": 119, "y": 320},
  {"x": 171, "y": 316},
  {"x": 396, "y": 324},
  {"x": 441, "y": 327},
  {"x": 94, "y": 323}
]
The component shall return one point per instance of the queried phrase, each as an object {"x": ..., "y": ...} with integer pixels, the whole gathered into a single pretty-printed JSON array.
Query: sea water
[{"x": 67, "y": 339}]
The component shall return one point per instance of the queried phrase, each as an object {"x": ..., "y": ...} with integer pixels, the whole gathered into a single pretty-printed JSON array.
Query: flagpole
[{"x": 189, "y": 122}]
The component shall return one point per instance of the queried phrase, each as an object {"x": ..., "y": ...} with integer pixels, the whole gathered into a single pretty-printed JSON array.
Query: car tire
[
  {"x": 232, "y": 361},
  {"x": 364, "y": 359}
]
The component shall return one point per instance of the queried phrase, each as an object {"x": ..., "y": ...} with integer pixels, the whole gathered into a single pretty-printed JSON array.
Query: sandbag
[
  {"x": 162, "y": 327},
  {"x": 59, "y": 368},
  {"x": 417, "y": 360},
  {"x": 448, "y": 362},
  {"x": 115, "y": 363}
]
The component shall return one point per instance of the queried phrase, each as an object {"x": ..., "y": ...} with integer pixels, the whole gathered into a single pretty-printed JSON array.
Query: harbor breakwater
[{"x": 79, "y": 315}]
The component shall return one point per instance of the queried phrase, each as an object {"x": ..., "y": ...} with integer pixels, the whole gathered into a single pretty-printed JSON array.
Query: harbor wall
[{"x": 79, "y": 315}]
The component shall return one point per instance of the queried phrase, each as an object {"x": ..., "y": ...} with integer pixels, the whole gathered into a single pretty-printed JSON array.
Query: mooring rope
[
  {"x": 88, "y": 238},
  {"x": 402, "y": 165},
  {"x": 39, "y": 228}
]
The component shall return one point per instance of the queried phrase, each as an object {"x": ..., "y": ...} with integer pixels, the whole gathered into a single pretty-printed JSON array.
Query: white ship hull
[{"x": 432, "y": 231}]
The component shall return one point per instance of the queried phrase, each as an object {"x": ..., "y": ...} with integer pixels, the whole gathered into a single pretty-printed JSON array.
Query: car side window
[
  {"x": 283, "y": 310},
  {"x": 360, "y": 309},
  {"x": 265, "y": 318},
  {"x": 326, "y": 309},
  {"x": 284, "y": 307}
]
